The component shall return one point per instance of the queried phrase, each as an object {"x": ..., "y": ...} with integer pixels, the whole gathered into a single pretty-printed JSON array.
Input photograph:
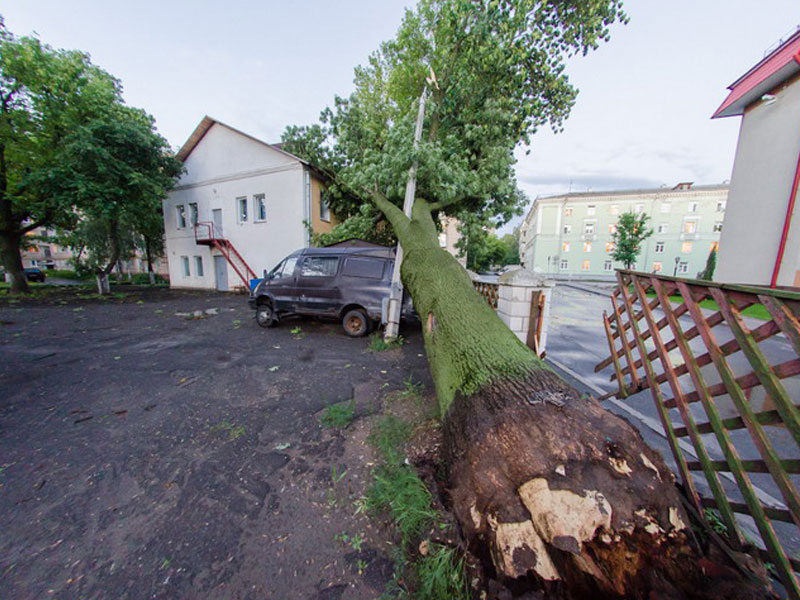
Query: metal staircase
[{"x": 207, "y": 234}]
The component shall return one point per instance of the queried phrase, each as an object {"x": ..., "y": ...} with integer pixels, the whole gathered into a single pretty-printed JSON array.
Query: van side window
[
  {"x": 368, "y": 268},
  {"x": 288, "y": 267},
  {"x": 319, "y": 266}
]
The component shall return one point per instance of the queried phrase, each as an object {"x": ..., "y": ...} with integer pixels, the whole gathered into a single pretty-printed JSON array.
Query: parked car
[
  {"x": 34, "y": 274},
  {"x": 350, "y": 284}
]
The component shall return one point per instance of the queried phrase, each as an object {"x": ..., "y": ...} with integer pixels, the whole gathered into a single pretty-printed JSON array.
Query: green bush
[{"x": 338, "y": 416}]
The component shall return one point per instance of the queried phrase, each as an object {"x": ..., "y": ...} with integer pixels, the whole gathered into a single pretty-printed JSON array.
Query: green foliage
[
  {"x": 378, "y": 344},
  {"x": 631, "y": 231},
  {"x": 366, "y": 224},
  {"x": 338, "y": 416},
  {"x": 715, "y": 521},
  {"x": 711, "y": 264},
  {"x": 441, "y": 575},
  {"x": 483, "y": 249},
  {"x": 500, "y": 76},
  {"x": 73, "y": 151}
]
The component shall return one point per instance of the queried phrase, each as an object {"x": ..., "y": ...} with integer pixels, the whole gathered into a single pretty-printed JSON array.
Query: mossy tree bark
[{"x": 556, "y": 492}]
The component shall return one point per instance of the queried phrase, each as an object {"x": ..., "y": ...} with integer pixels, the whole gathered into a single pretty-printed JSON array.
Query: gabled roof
[
  {"x": 207, "y": 123},
  {"x": 775, "y": 68}
]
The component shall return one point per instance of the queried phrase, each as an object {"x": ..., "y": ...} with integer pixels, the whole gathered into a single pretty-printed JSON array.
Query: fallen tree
[{"x": 552, "y": 491}]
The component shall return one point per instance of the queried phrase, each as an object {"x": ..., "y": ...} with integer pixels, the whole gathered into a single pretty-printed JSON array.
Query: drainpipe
[{"x": 787, "y": 220}]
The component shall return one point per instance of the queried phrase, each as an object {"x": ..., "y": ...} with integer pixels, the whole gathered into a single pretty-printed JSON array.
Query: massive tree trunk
[
  {"x": 12, "y": 262},
  {"x": 555, "y": 492}
]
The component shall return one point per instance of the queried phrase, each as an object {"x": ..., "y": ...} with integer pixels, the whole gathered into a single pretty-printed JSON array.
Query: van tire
[
  {"x": 355, "y": 323},
  {"x": 265, "y": 316}
]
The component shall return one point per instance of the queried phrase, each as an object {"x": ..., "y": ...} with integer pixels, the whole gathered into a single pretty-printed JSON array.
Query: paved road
[{"x": 577, "y": 342}]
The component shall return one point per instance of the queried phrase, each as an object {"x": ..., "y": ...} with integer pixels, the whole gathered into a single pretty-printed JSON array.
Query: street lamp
[{"x": 677, "y": 260}]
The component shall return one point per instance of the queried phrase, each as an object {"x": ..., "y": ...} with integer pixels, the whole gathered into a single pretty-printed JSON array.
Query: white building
[
  {"x": 239, "y": 208},
  {"x": 761, "y": 240}
]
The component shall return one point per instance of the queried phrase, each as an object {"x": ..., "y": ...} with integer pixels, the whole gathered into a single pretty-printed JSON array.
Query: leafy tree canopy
[
  {"x": 499, "y": 76},
  {"x": 628, "y": 236}
]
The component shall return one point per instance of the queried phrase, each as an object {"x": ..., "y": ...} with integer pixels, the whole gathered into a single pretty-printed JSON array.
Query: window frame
[
  {"x": 194, "y": 213},
  {"x": 241, "y": 209},
  {"x": 608, "y": 266},
  {"x": 198, "y": 266},
  {"x": 180, "y": 216},
  {"x": 324, "y": 207},
  {"x": 586, "y": 265},
  {"x": 186, "y": 266},
  {"x": 259, "y": 202},
  {"x": 659, "y": 248},
  {"x": 563, "y": 264},
  {"x": 308, "y": 259}
]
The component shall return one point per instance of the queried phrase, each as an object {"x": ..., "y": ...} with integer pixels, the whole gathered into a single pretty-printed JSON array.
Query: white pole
[{"x": 396, "y": 294}]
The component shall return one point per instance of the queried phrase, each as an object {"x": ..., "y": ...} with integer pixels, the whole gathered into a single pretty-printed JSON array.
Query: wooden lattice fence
[
  {"x": 719, "y": 361},
  {"x": 490, "y": 291}
]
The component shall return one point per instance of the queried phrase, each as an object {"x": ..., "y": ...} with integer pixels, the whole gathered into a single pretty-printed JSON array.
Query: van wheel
[
  {"x": 265, "y": 316},
  {"x": 355, "y": 323}
]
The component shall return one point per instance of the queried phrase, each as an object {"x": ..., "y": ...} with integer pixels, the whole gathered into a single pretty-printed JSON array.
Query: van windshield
[{"x": 285, "y": 268}]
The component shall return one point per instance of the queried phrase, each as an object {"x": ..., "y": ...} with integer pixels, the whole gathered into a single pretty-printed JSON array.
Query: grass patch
[
  {"x": 378, "y": 344},
  {"x": 232, "y": 430},
  {"x": 441, "y": 575},
  {"x": 756, "y": 311},
  {"x": 398, "y": 490},
  {"x": 338, "y": 416}
]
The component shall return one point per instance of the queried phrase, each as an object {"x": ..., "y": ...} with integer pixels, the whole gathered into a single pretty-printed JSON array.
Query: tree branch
[
  {"x": 44, "y": 220},
  {"x": 394, "y": 215},
  {"x": 439, "y": 205}
]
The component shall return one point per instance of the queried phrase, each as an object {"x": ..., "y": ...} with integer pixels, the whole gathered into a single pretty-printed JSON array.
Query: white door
[{"x": 221, "y": 273}]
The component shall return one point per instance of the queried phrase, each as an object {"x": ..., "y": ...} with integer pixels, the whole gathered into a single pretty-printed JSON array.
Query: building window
[
  {"x": 638, "y": 209},
  {"x": 185, "y": 263},
  {"x": 612, "y": 228},
  {"x": 607, "y": 266},
  {"x": 180, "y": 212},
  {"x": 718, "y": 227},
  {"x": 47, "y": 252},
  {"x": 565, "y": 247},
  {"x": 324, "y": 208},
  {"x": 662, "y": 228},
  {"x": 666, "y": 207},
  {"x": 587, "y": 246},
  {"x": 721, "y": 206},
  {"x": 714, "y": 247},
  {"x": 260, "y": 207},
  {"x": 614, "y": 210},
  {"x": 198, "y": 265},
  {"x": 656, "y": 267},
  {"x": 659, "y": 247},
  {"x": 588, "y": 228},
  {"x": 567, "y": 229},
  {"x": 563, "y": 265},
  {"x": 683, "y": 267},
  {"x": 690, "y": 226},
  {"x": 193, "y": 214},
  {"x": 590, "y": 210},
  {"x": 610, "y": 246},
  {"x": 568, "y": 213},
  {"x": 686, "y": 247},
  {"x": 585, "y": 265},
  {"x": 242, "y": 205},
  {"x": 693, "y": 207}
]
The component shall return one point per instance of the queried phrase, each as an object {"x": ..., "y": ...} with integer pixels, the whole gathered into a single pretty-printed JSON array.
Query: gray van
[{"x": 349, "y": 284}]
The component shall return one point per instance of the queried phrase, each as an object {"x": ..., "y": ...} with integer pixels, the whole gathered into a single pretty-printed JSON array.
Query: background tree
[
  {"x": 119, "y": 170},
  {"x": 711, "y": 264},
  {"x": 545, "y": 484},
  {"x": 366, "y": 224},
  {"x": 46, "y": 98},
  {"x": 628, "y": 236}
]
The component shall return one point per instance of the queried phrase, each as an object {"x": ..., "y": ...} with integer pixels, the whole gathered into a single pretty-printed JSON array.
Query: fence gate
[{"x": 719, "y": 361}]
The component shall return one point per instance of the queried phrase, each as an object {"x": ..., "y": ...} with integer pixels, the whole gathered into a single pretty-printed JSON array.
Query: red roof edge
[{"x": 746, "y": 89}]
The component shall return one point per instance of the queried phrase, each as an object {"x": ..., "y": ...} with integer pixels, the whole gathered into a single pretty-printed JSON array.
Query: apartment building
[{"x": 570, "y": 236}]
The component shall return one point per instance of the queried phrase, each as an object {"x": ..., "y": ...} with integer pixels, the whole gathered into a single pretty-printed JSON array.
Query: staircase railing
[{"x": 206, "y": 232}]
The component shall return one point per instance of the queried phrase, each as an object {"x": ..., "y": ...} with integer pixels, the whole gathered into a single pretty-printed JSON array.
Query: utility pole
[{"x": 396, "y": 294}]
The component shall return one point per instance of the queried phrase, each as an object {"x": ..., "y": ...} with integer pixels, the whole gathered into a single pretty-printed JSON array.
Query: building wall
[
  {"x": 570, "y": 236},
  {"x": 223, "y": 167},
  {"x": 449, "y": 236},
  {"x": 763, "y": 170}
]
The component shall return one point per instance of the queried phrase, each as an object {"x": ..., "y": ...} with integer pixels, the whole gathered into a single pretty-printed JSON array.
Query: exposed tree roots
[{"x": 566, "y": 498}]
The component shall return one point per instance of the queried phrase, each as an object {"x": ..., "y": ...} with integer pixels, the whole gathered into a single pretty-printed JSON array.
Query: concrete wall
[
  {"x": 223, "y": 167},
  {"x": 763, "y": 170},
  {"x": 554, "y": 241}
]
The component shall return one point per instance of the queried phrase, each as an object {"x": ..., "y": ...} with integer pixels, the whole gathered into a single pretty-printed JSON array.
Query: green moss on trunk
[{"x": 467, "y": 344}]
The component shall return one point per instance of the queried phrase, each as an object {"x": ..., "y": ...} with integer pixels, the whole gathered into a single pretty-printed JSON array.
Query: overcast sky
[{"x": 642, "y": 118}]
